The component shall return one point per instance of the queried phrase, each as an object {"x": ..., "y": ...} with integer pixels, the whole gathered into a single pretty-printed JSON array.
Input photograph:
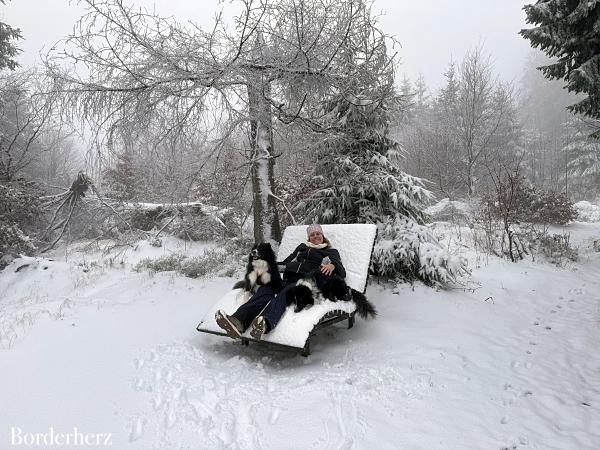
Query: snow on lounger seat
[{"x": 355, "y": 244}]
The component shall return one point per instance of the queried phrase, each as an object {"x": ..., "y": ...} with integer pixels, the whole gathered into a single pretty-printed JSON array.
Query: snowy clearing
[{"x": 510, "y": 363}]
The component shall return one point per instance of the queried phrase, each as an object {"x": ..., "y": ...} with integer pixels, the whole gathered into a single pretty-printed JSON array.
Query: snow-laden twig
[
  {"x": 165, "y": 226},
  {"x": 285, "y": 206}
]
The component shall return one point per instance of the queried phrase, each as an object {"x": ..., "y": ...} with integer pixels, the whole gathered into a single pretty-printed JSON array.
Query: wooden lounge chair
[{"x": 355, "y": 243}]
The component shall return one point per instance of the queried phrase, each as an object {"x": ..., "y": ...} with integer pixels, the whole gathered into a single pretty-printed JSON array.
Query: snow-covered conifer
[
  {"x": 121, "y": 178},
  {"x": 358, "y": 179},
  {"x": 583, "y": 153},
  {"x": 568, "y": 30}
]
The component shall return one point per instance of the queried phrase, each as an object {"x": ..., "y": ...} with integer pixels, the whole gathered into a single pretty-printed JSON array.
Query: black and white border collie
[
  {"x": 261, "y": 270},
  {"x": 313, "y": 289}
]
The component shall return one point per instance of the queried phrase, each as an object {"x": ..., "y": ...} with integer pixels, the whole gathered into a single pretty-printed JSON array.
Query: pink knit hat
[{"x": 312, "y": 228}]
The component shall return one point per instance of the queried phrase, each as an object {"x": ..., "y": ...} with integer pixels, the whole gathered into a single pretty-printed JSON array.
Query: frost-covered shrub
[
  {"x": 513, "y": 214},
  {"x": 547, "y": 207},
  {"x": 212, "y": 262},
  {"x": 408, "y": 250},
  {"x": 452, "y": 211},
  {"x": 143, "y": 218},
  {"x": 165, "y": 263},
  {"x": 223, "y": 261},
  {"x": 14, "y": 241},
  {"x": 206, "y": 224},
  {"x": 556, "y": 247},
  {"x": 20, "y": 216},
  {"x": 587, "y": 212},
  {"x": 513, "y": 200},
  {"x": 196, "y": 228},
  {"x": 193, "y": 221},
  {"x": 226, "y": 260},
  {"x": 491, "y": 236}
]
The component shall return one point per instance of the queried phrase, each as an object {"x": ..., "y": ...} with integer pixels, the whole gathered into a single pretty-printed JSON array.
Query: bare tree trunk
[
  {"x": 470, "y": 183},
  {"x": 266, "y": 218}
]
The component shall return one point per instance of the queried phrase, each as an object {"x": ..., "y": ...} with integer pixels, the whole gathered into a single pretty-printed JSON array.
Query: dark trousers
[{"x": 264, "y": 303}]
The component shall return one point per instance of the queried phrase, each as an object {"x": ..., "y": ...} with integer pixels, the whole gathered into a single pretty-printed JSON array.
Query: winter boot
[
  {"x": 231, "y": 325},
  {"x": 259, "y": 327}
]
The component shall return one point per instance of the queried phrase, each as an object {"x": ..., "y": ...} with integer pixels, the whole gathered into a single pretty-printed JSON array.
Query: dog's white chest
[{"x": 260, "y": 272}]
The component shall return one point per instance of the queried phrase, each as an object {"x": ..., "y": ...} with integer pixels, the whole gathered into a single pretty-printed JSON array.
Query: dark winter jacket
[{"x": 305, "y": 260}]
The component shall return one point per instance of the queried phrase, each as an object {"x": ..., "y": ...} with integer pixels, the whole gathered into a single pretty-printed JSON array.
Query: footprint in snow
[
  {"x": 137, "y": 429},
  {"x": 180, "y": 394},
  {"x": 517, "y": 364},
  {"x": 157, "y": 401},
  {"x": 508, "y": 402},
  {"x": 274, "y": 416},
  {"x": 170, "y": 417}
]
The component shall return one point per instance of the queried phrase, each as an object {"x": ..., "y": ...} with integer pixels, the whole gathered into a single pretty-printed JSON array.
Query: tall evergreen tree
[
  {"x": 421, "y": 95},
  {"x": 359, "y": 172},
  {"x": 122, "y": 179},
  {"x": 8, "y": 49},
  {"x": 569, "y": 30},
  {"x": 358, "y": 179},
  {"x": 583, "y": 154}
]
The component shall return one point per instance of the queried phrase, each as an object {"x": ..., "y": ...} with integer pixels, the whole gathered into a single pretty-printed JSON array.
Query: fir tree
[
  {"x": 448, "y": 96},
  {"x": 421, "y": 92},
  {"x": 358, "y": 179},
  {"x": 122, "y": 178},
  {"x": 568, "y": 31},
  {"x": 583, "y": 153},
  {"x": 8, "y": 49},
  {"x": 407, "y": 93}
]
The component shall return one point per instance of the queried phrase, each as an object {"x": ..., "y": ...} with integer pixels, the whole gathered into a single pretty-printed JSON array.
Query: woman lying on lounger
[{"x": 264, "y": 309}]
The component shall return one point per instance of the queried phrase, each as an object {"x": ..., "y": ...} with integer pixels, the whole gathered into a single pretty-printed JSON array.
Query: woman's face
[{"x": 316, "y": 237}]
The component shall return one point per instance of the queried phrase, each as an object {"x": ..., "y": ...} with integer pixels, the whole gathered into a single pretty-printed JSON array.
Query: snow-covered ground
[
  {"x": 510, "y": 361},
  {"x": 587, "y": 212}
]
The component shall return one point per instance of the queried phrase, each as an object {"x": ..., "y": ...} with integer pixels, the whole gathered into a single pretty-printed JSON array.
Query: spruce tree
[
  {"x": 122, "y": 179},
  {"x": 568, "y": 30},
  {"x": 358, "y": 179},
  {"x": 583, "y": 154},
  {"x": 8, "y": 49}
]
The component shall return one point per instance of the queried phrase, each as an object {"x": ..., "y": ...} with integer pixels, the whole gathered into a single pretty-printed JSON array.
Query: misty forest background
[{"x": 136, "y": 126}]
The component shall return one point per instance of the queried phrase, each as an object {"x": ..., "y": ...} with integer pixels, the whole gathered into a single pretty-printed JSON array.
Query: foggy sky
[{"x": 431, "y": 32}]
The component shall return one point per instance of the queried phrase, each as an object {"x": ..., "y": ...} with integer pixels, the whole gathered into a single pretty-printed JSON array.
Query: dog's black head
[{"x": 262, "y": 251}]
